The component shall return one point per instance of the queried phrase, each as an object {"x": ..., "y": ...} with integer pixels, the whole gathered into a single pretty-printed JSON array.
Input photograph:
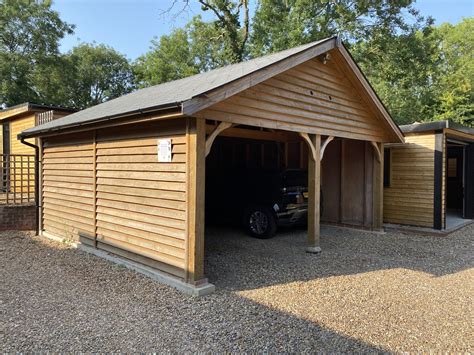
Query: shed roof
[
  {"x": 178, "y": 93},
  {"x": 29, "y": 106},
  {"x": 418, "y": 127}
]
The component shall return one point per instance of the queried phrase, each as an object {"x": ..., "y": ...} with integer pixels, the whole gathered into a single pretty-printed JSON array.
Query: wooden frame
[
  {"x": 378, "y": 152},
  {"x": 438, "y": 181},
  {"x": 207, "y": 99},
  {"x": 325, "y": 144},
  {"x": 311, "y": 145},
  {"x": 196, "y": 174},
  {"x": 377, "y": 203},
  {"x": 312, "y": 101},
  {"x": 221, "y": 127},
  {"x": 314, "y": 198}
]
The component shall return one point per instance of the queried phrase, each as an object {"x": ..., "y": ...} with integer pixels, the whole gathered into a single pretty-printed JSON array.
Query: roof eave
[{"x": 47, "y": 131}]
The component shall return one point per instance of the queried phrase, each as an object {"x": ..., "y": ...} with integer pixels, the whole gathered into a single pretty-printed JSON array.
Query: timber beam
[{"x": 245, "y": 133}]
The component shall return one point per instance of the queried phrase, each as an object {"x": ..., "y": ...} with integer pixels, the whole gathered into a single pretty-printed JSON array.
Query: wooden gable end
[{"x": 313, "y": 97}]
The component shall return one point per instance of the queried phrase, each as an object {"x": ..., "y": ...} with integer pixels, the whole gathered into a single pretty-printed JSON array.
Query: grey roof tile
[{"x": 174, "y": 92}]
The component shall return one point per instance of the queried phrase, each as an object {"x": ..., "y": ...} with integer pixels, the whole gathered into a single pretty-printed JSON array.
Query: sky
[{"x": 130, "y": 25}]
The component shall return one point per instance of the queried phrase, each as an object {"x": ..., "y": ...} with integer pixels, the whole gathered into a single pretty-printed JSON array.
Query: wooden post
[
  {"x": 94, "y": 186},
  {"x": 196, "y": 173},
  {"x": 39, "y": 185},
  {"x": 377, "y": 209},
  {"x": 314, "y": 189}
]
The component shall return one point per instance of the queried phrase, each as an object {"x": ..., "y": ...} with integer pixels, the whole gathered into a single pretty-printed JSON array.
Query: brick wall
[{"x": 21, "y": 217}]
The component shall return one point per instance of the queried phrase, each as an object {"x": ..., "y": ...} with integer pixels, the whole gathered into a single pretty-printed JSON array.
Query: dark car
[{"x": 261, "y": 200}]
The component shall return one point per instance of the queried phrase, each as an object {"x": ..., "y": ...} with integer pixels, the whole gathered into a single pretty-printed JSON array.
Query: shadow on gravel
[
  {"x": 59, "y": 299},
  {"x": 235, "y": 261}
]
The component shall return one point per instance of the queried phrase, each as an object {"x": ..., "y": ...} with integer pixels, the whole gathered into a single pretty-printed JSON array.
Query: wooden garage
[
  {"x": 128, "y": 176},
  {"x": 429, "y": 180}
]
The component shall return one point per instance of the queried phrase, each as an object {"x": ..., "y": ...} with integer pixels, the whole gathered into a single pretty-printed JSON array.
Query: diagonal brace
[{"x": 210, "y": 140}]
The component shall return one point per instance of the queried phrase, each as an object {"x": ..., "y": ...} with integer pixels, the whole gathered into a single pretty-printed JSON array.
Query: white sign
[{"x": 164, "y": 150}]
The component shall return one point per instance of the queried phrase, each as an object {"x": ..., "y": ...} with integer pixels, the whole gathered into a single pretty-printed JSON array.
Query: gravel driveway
[{"x": 364, "y": 293}]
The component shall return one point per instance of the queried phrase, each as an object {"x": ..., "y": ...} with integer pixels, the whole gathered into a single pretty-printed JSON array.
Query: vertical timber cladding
[
  {"x": 141, "y": 203},
  {"x": 139, "y": 209},
  {"x": 410, "y": 197},
  {"x": 347, "y": 183}
]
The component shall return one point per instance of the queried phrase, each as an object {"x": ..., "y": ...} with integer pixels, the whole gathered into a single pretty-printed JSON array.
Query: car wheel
[{"x": 260, "y": 222}]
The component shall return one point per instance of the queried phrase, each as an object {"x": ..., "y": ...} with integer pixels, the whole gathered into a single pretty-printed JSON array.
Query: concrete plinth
[{"x": 313, "y": 250}]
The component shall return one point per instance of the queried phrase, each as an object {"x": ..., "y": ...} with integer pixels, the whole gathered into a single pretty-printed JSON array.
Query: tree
[
  {"x": 455, "y": 84},
  {"x": 403, "y": 69},
  {"x": 96, "y": 73},
  {"x": 424, "y": 75},
  {"x": 282, "y": 24},
  {"x": 170, "y": 58},
  {"x": 231, "y": 26},
  {"x": 234, "y": 33},
  {"x": 29, "y": 35},
  {"x": 186, "y": 51}
]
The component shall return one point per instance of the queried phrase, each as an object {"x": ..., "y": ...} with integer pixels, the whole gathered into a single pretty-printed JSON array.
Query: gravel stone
[{"x": 364, "y": 293}]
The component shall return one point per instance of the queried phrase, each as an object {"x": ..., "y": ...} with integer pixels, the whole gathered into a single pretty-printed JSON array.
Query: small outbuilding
[
  {"x": 15, "y": 119},
  {"x": 17, "y": 159},
  {"x": 429, "y": 180},
  {"x": 128, "y": 176}
]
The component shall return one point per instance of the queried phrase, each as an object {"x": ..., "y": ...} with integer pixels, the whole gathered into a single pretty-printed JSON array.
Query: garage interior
[
  {"x": 458, "y": 181},
  {"x": 346, "y": 168}
]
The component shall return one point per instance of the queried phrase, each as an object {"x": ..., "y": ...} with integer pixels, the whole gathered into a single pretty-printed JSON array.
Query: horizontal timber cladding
[
  {"x": 410, "y": 197},
  {"x": 16, "y": 127},
  {"x": 67, "y": 186},
  {"x": 119, "y": 194},
  {"x": 312, "y": 97},
  {"x": 141, "y": 203}
]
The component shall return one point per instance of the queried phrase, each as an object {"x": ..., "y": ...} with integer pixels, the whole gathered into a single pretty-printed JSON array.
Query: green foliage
[
  {"x": 232, "y": 26},
  {"x": 170, "y": 58},
  {"x": 424, "y": 75},
  {"x": 97, "y": 73},
  {"x": 186, "y": 51},
  {"x": 29, "y": 35},
  {"x": 420, "y": 71},
  {"x": 402, "y": 70},
  {"x": 455, "y": 84},
  {"x": 282, "y": 24},
  {"x": 32, "y": 69}
]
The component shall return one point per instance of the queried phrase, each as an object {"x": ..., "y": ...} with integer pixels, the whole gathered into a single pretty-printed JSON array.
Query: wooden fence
[
  {"x": 44, "y": 117},
  {"x": 17, "y": 179}
]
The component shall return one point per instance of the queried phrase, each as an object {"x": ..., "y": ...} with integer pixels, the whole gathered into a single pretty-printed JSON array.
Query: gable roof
[
  {"x": 199, "y": 91},
  {"x": 29, "y": 106}
]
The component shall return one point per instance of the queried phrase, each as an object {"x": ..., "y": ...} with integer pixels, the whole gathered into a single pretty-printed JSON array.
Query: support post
[
  {"x": 196, "y": 173},
  {"x": 377, "y": 209},
  {"x": 314, "y": 189},
  {"x": 438, "y": 181}
]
